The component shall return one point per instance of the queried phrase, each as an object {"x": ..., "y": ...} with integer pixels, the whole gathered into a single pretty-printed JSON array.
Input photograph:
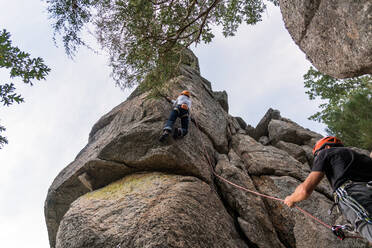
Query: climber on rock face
[
  {"x": 350, "y": 175},
  {"x": 181, "y": 109}
]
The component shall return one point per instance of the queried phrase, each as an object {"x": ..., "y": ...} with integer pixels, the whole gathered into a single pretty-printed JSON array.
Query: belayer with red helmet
[
  {"x": 181, "y": 109},
  {"x": 350, "y": 176}
]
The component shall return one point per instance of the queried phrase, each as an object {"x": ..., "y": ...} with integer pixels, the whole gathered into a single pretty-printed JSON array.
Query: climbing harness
[
  {"x": 182, "y": 106},
  {"x": 336, "y": 229},
  {"x": 342, "y": 195}
]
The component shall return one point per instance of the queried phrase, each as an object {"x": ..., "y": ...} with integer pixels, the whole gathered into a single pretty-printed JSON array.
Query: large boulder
[
  {"x": 289, "y": 131},
  {"x": 294, "y": 150},
  {"x": 335, "y": 35},
  {"x": 221, "y": 97},
  {"x": 262, "y": 127},
  {"x": 149, "y": 210}
]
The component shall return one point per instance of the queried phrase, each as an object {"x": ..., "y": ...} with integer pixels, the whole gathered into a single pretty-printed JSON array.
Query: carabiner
[
  {"x": 369, "y": 184},
  {"x": 337, "y": 230}
]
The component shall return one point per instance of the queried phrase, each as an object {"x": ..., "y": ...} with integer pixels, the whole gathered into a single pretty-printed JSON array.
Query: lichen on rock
[{"x": 149, "y": 210}]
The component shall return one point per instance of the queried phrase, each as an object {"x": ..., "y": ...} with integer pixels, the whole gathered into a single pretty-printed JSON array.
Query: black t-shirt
[{"x": 341, "y": 164}]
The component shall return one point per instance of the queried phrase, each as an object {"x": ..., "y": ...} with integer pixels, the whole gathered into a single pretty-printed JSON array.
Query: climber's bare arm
[{"x": 304, "y": 190}]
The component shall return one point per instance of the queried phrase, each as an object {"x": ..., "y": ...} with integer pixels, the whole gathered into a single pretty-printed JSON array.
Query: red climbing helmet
[
  {"x": 186, "y": 93},
  {"x": 329, "y": 140}
]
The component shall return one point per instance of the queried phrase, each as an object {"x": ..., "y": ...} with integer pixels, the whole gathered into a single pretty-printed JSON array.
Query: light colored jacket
[{"x": 182, "y": 99}]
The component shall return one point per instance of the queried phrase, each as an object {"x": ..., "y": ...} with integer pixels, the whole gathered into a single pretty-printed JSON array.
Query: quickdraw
[{"x": 338, "y": 231}]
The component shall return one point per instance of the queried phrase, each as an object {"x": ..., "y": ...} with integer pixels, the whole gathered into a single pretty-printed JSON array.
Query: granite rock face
[
  {"x": 126, "y": 189},
  {"x": 149, "y": 210},
  {"x": 335, "y": 35}
]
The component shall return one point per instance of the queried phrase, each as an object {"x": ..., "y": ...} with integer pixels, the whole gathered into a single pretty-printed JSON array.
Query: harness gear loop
[
  {"x": 331, "y": 209},
  {"x": 342, "y": 195},
  {"x": 335, "y": 204}
]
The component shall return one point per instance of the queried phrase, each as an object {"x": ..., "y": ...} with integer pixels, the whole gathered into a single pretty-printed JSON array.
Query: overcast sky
[{"x": 260, "y": 67}]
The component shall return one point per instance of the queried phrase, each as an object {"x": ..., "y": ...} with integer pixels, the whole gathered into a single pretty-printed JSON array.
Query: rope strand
[{"x": 260, "y": 194}]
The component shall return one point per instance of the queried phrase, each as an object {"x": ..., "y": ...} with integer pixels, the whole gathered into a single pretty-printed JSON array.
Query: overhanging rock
[{"x": 335, "y": 35}]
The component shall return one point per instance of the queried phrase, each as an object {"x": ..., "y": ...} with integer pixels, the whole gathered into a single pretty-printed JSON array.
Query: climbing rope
[{"x": 337, "y": 230}]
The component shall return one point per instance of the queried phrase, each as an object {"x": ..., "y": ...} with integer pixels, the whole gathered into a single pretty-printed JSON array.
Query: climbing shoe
[
  {"x": 164, "y": 135},
  {"x": 177, "y": 133}
]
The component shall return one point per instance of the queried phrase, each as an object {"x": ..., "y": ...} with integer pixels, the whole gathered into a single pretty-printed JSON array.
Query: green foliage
[
  {"x": 141, "y": 35},
  {"x": 347, "y": 110},
  {"x": 20, "y": 65},
  {"x": 3, "y": 140},
  {"x": 8, "y": 96},
  {"x": 19, "y": 62}
]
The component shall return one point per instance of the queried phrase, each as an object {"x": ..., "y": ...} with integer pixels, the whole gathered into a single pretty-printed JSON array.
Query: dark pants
[
  {"x": 363, "y": 195},
  {"x": 183, "y": 114}
]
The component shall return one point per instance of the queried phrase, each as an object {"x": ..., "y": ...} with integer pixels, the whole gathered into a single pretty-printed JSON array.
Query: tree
[
  {"x": 146, "y": 37},
  {"x": 21, "y": 65},
  {"x": 347, "y": 110}
]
